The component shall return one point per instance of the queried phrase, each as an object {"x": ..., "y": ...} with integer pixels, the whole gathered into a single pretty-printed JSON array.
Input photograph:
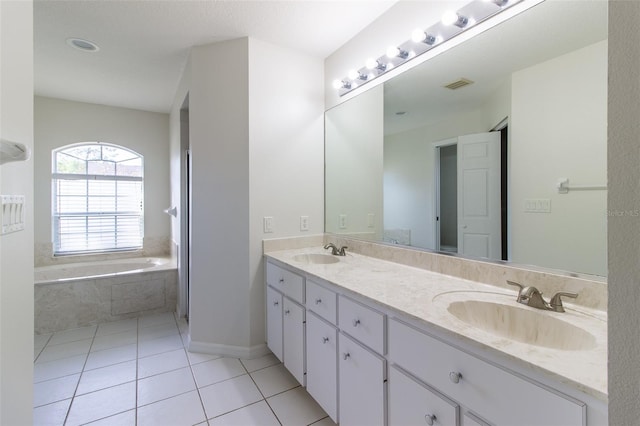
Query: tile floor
[{"x": 137, "y": 372}]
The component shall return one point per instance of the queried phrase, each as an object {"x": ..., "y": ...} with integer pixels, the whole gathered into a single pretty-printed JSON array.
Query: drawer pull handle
[
  {"x": 346, "y": 356},
  {"x": 325, "y": 339},
  {"x": 430, "y": 419},
  {"x": 455, "y": 377},
  {"x": 276, "y": 303},
  {"x": 287, "y": 312},
  {"x": 318, "y": 301},
  {"x": 356, "y": 322}
]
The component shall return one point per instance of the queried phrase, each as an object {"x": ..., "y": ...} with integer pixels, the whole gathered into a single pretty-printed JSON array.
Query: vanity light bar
[{"x": 452, "y": 24}]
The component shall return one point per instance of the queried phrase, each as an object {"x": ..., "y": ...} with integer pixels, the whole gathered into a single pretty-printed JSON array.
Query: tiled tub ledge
[{"x": 416, "y": 295}]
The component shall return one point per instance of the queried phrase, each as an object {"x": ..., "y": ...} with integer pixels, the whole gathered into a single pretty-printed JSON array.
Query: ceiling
[{"x": 144, "y": 44}]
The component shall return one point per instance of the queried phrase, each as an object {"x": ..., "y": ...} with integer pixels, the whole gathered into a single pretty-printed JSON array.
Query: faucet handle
[
  {"x": 513, "y": 283},
  {"x": 556, "y": 300}
]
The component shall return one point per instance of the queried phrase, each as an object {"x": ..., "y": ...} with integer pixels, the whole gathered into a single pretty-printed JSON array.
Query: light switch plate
[
  {"x": 342, "y": 221},
  {"x": 304, "y": 223},
  {"x": 267, "y": 223},
  {"x": 537, "y": 205},
  {"x": 370, "y": 220}
]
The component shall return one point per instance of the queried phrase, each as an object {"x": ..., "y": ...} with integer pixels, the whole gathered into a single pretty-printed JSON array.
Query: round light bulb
[
  {"x": 449, "y": 18},
  {"x": 353, "y": 74},
  {"x": 418, "y": 35},
  {"x": 337, "y": 84},
  {"x": 371, "y": 63},
  {"x": 392, "y": 52}
]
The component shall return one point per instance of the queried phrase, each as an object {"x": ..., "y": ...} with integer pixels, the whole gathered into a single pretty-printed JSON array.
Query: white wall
[
  {"x": 286, "y": 155},
  {"x": 219, "y": 133},
  {"x": 60, "y": 122},
  {"x": 16, "y": 250},
  {"x": 354, "y": 152},
  {"x": 257, "y": 141},
  {"x": 558, "y": 130},
  {"x": 624, "y": 196}
]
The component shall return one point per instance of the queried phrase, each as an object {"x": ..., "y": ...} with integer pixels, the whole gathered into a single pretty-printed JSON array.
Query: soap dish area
[{"x": 12, "y": 213}]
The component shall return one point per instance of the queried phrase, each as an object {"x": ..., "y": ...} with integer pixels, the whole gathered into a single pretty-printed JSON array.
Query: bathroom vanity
[{"x": 380, "y": 343}]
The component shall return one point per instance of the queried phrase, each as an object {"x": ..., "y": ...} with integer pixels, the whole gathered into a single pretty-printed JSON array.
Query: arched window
[{"x": 97, "y": 198}]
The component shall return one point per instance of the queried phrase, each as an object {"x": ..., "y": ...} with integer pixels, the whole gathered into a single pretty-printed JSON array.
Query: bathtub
[{"x": 79, "y": 294}]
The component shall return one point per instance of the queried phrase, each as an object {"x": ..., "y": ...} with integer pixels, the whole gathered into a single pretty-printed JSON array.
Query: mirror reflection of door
[{"x": 468, "y": 195}]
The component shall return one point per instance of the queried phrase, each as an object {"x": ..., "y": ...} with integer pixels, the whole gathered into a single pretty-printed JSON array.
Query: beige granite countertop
[{"x": 424, "y": 296}]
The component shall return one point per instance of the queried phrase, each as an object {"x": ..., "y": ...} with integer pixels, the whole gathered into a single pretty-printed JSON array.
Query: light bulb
[
  {"x": 371, "y": 63},
  {"x": 392, "y": 52},
  {"x": 337, "y": 84},
  {"x": 353, "y": 74},
  {"x": 418, "y": 35}
]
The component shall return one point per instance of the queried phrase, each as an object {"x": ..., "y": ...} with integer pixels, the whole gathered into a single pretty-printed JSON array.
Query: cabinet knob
[
  {"x": 455, "y": 377},
  {"x": 356, "y": 322},
  {"x": 281, "y": 280},
  {"x": 287, "y": 312},
  {"x": 325, "y": 339},
  {"x": 430, "y": 419},
  {"x": 346, "y": 356},
  {"x": 276, "y": 303},
  {"x": 318, "y": 301}
]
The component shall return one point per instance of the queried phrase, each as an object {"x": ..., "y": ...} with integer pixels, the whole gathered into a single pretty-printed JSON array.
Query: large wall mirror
[{"x": 475, "y": 169}]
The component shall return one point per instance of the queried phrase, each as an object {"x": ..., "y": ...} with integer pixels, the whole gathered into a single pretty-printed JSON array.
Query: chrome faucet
[
  {"x": 531, "y": 296},
  {"x": 335, "y": 250}
]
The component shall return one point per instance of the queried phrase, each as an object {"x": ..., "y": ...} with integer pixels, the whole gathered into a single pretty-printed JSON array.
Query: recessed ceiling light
[{"x": 84, "y": 45}]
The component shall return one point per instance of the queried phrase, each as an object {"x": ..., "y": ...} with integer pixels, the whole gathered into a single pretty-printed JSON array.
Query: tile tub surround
[
  {"x": 409, "y": 292},
  {"x": 82, "y": 302}
]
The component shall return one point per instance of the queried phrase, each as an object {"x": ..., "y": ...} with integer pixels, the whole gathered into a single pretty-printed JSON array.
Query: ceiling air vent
[{"x": 458, "y": 84}]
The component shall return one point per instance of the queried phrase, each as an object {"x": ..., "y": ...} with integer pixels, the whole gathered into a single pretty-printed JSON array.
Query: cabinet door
[
  {"x": 293, "y": 341},
  {"x": 361, "y": 384},
  {"x": 274, "y": 322},
  {"x": 322, "y": 364},
  {"x": 412, "y": 403}
]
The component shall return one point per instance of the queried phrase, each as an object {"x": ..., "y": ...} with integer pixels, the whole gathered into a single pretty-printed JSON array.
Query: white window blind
[{"x": 98, "y": 195}]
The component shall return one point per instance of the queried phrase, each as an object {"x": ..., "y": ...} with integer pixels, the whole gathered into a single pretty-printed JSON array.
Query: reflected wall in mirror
[{"x": 403, "y": 159}]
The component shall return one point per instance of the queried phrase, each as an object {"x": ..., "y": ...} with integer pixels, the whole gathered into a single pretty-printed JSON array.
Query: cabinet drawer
[
  {"x": 411, "y": 403},
  {"x": 492, "y": 392},
  {"x": 321, "y": 301},
  {"x": 286, "y": 281},
  {"x": 362, "y": 322}
]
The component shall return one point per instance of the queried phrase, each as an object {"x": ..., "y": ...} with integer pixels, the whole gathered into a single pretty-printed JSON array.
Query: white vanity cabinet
[
  {"x": 361, "y": 383},
  {"x": 412, "y": 403},
  {"x": 362, "y": 367},
  {"x": 286, "y": 319},
  {"x": 322, "y": 364},
  {"x": 274, "y": 322},
  {"x": 487, "y": 391}
]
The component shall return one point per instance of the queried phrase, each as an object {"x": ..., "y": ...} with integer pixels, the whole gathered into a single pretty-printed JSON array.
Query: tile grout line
[{"x": 73, "y": 398}]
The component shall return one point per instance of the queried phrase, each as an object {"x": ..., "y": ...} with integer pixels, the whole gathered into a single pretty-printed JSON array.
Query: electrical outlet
[
  {"x": 267, "y": 223},
  {"x": 304, "y": 223},
  {"x": 342, "y": 221},
  {"x": 370, "y": 220}
]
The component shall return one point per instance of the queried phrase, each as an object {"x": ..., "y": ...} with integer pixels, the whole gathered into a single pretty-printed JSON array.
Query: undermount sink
[
  {"x": 316, "y": 258},
  {"x": 521, "y": 324}
]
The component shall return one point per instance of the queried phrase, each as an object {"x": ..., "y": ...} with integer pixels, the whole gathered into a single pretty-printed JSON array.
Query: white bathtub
[{"x": 79, "y": 294}]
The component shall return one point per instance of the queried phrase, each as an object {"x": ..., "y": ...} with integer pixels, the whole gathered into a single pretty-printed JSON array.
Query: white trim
[{"x": 242, "y": 352}]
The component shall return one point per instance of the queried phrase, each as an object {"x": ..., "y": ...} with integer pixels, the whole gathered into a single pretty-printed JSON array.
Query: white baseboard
[{"x": 242, "y": 352}]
